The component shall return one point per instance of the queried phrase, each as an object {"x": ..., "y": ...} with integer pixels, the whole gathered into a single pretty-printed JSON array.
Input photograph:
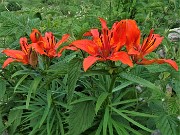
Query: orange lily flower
[
  {"x": 104, "y": 46},
  {"x": 24, "y": 55},
  {"x": 138, "y": 52},
  {"x": 47, "y": 45},
  {"x": 133, "y": 36}
]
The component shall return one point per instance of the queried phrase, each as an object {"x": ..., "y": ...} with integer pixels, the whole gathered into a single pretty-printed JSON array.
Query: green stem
[
  {"x": 109, "y": 99},
  {"x": 47, "y": 62},
  {"x": 112, "y": 83}
]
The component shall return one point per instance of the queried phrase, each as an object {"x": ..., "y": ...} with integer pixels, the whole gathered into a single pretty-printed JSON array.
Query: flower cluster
[
  {"x": 108, "y": 44},
  {"x": 43, "y": 45},
  {"x": 120, "y": 43}
]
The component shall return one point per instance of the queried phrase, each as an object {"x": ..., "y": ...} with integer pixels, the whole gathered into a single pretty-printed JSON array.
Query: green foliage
[
  {"x": 167, "y": 125},
  {"x": 73, "y": 74},
  {"x": 13, "y": 6},
  {"x": 59, "y": 98},
  {"x": 16, "y": 25},
  {"x": 81, "y": 117}
]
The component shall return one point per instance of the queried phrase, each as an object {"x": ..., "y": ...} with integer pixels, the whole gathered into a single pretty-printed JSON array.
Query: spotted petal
[{"x": 151, "y": 43}]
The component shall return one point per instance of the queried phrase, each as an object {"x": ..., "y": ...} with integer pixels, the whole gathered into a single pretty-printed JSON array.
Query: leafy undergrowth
[{"x": 57, "y": 97}]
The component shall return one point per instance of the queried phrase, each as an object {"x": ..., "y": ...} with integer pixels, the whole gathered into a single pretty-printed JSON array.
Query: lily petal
[
  {"x": 49, "y": 40},
  {"x": 151, "y": 43},
  {"x": 64, "y": 39},
  {"x": 133, "y": 35},
  {"x": 86, "y": 45},
  {"x": 119, "y": 34},
  {"x": 160, "y": 61},
  {"x": 90, "y": 60},
  {"x": 103, "y": 23},
  {"x": 123, "y": 57},
  {"x": 35, "y": 36},
  {"x": 24, "y": 45},
  {"x": 88, "y": 33},
  {"x": 157, "y": 42},
  {"x": 16, "y": 54},
  {"x": 132, "y": 32},
  {"x": 69, "y": 47},
  {"x": 8, "y": 61},
  {"x": 169, "y": 61},
  {"x": 132, "y": 51},
  {"x": 95, "y": 33},
  {"x": 38, "y": 48}
]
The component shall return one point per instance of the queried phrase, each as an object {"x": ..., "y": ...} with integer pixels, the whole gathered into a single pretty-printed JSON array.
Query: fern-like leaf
[
  {"x": 81, "y": 117},
  {"x": 167, "y": 125},
  {"x": 73, "y": 74}
]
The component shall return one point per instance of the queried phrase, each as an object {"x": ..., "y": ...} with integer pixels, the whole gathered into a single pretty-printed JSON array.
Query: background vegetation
[{"x": 65, "y": 100}]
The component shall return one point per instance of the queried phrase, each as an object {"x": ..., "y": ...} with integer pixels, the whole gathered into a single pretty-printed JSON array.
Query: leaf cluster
[{"x": 64, "y": 99}]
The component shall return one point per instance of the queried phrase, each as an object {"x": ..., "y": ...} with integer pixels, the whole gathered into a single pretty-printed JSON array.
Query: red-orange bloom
[
  {"x": 47, "y": 44},
  {"x": 22, "y": 55},
  {"x": 105, "y": 45},
  {"x": 138, "y": 52}
]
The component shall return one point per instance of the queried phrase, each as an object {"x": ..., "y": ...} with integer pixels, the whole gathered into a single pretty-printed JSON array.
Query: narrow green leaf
[
  {"x": 45, "y": 114},
  {"x": 61, "y": 104},
  {"x": 128, "y": 106},
  {"x": 95, "y": 72},
  {"x": 32, "y": 89},
  {"x": 133, "y": 113},
  {"x": 139, "y": 80},
  {"x": 20, "y": 81},
  {"x": 49, "y": 99},
  {"x": 110, "y": 127},
  {"x": 120, "y": 129},
  {"x": 2, "y": 88},
  {"x": 124, "y": 102},
  {"x": 60, "y": 123},
  {"x": 83, "y": 99},
  {"x": 131, "y": 120},
  {"x": 51, "y": 126},
  {"x": 98, "y": 131},
  {"x": 122, "y": 94},
  {"x": 105, "y": 120},
  {"x": 43, "y": 131},
  {"x": 24, "y": 72},
  {"x": 121, "y": 86},
  {"x": 100, "y": 100},
  {"x": 130, "y": 129},
  {"x": 49, "y": 121}
]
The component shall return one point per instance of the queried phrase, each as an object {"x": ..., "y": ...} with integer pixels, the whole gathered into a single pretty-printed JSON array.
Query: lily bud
[{"x": 33, "y": 58}]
